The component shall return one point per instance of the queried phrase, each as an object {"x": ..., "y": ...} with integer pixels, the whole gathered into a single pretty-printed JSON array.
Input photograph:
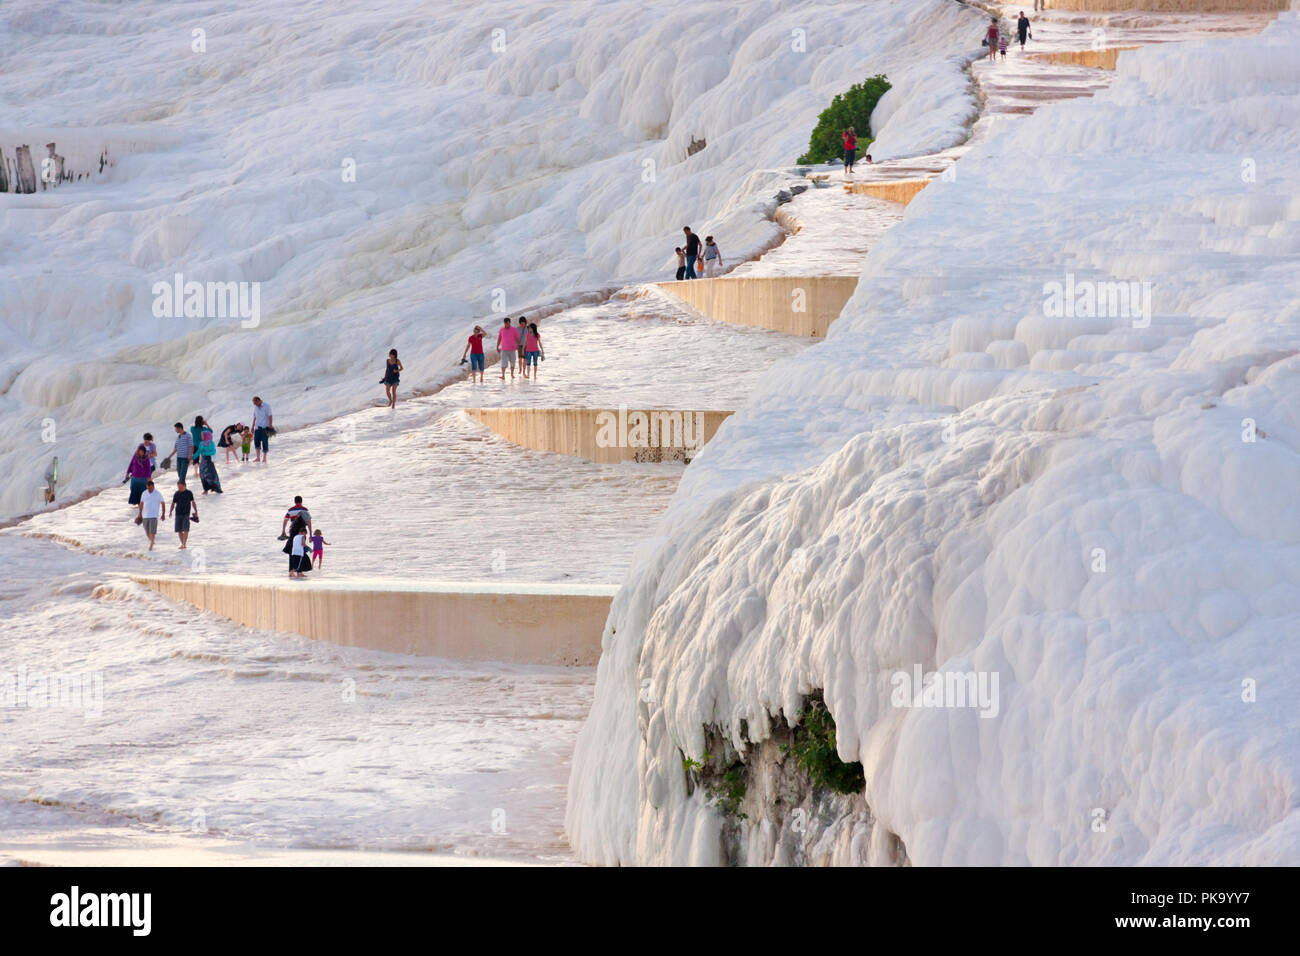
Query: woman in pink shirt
[{"x": 533, "y": 347}]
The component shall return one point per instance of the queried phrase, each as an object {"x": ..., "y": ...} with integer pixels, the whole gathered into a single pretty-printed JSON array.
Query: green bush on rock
[
  {"x": 813, "y": 749},
  {"x": 852, "y": 108}
]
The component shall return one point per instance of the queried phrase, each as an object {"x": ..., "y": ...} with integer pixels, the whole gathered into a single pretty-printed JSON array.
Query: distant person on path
[
  {"x": 297, "y": 512},
  {"x": 318, "y": 543},
  {"x": 1002, "y": 46},
  {"x": 149, "y": 509},
  {"x": 533, "y": 348},
  {"x": 991, "y": 38},
  {"x": 474, "y": 349},
  {"x": 1040, "y": 5},
  {"x": 681, "y": 263},
  {"x": 521, "y": 352},
  {"x": 227, "y": 440},
  {"x": 263, "y": 429},
  {"x": 182, "y": 451},
  {"x": 850, "y": 137},
  {"x": 392, "y": 377},
  {"x": 152, "y": 450},
  {"x": 692, "y": 252},
  {"x": 137, "y": 472},
  {"x": 1022, "y": 28},
  {"x": 508, "y": 346},
  {"x": 183, "y": 507},
  {"x": 207, "y": 467},
  {"x": 712, "y": 258}
]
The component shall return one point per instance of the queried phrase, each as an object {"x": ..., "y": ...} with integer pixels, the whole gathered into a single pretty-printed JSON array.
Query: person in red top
[
  {"x": 474, "y": 349},
  {"x": 850, "y": 149},
  {"x": 991, "y": 37}
]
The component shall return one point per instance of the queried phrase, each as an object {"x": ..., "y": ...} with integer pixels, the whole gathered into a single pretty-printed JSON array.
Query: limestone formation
[{"x": 26, "y": 172}]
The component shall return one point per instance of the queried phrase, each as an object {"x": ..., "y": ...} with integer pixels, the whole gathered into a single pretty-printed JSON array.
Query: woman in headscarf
[
  {"x": 207, "y": 467},
  {"x": 298, "y": 547},
  {"x": 138, "y": 471}
]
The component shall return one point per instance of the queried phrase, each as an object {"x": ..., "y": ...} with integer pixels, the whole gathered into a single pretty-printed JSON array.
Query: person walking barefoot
[
  {"x": 474, "y": 349},
  {"x": 850, "y": 137},
  {"x": 184, "y": 507},
  {"x": 392, "y": 376},
  {"x": 182, "y": 451},
  {"x": 533, "y": 347},
  {"x": 296, "y": 549},
  {"x": 521, "y": 353},
  {"x": 263, "y": 426},
  {"x": 301, "y": 548},
  {"x": 712, "y": 258},
  {"x": 508, "y": 346},
  {"x": 148, "y": 510},
  {"x": 681, "y": 263},
  {"x": 137, "y": 472},
  {"x": 318, "y": 543},
  {"x": 692, "y": 248},
  {"x": 207, "y": 467}
]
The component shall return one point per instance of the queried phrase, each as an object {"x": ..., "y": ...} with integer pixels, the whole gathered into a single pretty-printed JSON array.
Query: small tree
[{"x": 852, "y": 108}]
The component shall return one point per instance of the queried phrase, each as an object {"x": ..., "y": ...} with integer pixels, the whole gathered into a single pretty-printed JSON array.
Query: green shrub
[
  {"x": 847, "y": 109},
  {"x": 813, "y": 748}
]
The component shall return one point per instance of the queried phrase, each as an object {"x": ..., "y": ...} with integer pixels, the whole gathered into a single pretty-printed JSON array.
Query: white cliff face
[
  {"x": 388, "y": 173},
  {"x": 1097, "y": 509}
]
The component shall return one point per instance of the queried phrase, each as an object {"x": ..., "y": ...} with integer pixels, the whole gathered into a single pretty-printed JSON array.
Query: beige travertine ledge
[
  {"x": 515, "y": 623},
  {"x": 799, "y": 305},
  {"x": 605, "y": 435},
  {"x": 1173, "y": 6},
  {"x": 895, "y": 190},
  {"x": 1096, "y": 59}
]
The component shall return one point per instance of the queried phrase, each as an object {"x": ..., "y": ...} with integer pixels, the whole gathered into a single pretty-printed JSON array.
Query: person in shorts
[
  {"x": 474, "y": 349},
  {"x": 508, "y": 346},
  {"x": 183, "y": 506},
  {"x": 149, "y": 509}
]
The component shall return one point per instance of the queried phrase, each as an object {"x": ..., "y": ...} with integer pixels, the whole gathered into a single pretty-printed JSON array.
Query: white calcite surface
[{"x": 961, "y": 481}]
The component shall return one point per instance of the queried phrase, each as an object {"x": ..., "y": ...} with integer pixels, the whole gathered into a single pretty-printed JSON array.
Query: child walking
[
  {"x": 246, "y": 444},
  {"x": 318, "y": 543}
]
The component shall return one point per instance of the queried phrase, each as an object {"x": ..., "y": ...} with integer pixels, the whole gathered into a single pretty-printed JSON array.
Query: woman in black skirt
[
  {"x": 298, "y": 548},
  {"x": 392, "y": 375}
]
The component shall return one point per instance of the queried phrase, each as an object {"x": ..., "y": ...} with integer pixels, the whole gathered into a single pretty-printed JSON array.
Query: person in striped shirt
[{"x": 183, "y": 451}]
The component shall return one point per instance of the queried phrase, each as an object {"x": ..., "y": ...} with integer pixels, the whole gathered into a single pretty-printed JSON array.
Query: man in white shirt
[
  {"x": 262, "y": 422},
  {"x": 150, "y": 507}
]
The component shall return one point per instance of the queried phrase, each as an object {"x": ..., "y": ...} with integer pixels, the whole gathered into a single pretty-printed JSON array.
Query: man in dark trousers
[
  {"x": 1022, "y": 29},
  {"x": 692, "y": 251}
]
